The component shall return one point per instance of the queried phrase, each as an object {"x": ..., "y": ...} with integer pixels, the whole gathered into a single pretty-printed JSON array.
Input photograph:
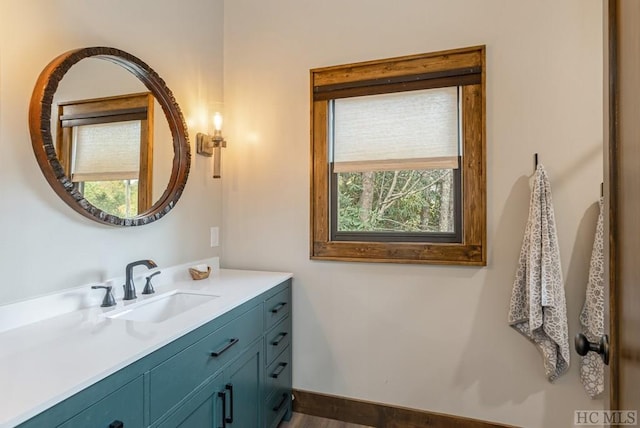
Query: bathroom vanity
[
  {"x": 213, "y": 352},
  {"x": 225, "y": 362}
]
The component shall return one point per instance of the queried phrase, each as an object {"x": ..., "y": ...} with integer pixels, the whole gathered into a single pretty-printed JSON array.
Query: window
[
  {"x": 398, "y": 160},
  {"x": 105, "y": 146}
]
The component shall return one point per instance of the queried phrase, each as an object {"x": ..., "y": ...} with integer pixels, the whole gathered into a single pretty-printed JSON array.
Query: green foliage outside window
[
  {"x": 396, "y": 201},
  {"x": 119, "y": 198}
]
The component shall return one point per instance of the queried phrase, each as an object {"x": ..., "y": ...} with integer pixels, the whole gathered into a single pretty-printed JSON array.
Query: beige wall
[
  {"x": 46, "y": 246},
  {"x": 429, "y": 337}
]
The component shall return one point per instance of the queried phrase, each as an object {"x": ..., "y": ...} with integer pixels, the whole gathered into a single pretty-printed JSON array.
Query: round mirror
[{"x": 101, "y": 139}]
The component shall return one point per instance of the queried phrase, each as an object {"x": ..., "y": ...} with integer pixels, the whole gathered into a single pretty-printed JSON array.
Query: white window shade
[
  {"x": 106, "y": 152},
  {"x": 403, "y": 130}
]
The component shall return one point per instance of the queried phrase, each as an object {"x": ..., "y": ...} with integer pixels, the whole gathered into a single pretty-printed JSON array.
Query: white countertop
[{"x": 45, "y": 362}]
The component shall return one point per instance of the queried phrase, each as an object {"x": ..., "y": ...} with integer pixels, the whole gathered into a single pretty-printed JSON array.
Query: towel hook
[{"x": 535, "y": 159}]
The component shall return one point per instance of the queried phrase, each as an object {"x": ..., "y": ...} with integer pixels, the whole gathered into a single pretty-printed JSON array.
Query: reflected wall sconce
[{"x": 210, "y": 145}]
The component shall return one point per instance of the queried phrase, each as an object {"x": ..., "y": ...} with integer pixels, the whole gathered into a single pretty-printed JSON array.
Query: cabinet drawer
[
  {"x": 278, "y": 375},
  {"x": 277, "y": 307},
  {"x": 278, "y": 339},
  {"x": 277, "y": 406},
  {"x": 124, "y": 405},
  {"x": 173, "y": 380}
]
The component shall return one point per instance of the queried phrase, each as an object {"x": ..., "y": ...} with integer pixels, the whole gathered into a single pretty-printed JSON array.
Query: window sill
[{"x": 400, "y": 252}]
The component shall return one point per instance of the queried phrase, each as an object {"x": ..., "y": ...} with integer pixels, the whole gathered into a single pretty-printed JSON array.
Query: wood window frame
[
  {"x": 460, "y": 67},
  {"x": 119, "y": 108}
]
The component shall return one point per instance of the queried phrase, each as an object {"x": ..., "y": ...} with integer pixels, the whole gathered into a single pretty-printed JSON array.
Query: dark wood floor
[{"x": 299, "y": 420}]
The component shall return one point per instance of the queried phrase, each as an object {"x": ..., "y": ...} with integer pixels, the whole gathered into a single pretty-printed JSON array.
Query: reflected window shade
[
  {"x": 106, "y": 152},
  {"x": 403, "y": 130}
]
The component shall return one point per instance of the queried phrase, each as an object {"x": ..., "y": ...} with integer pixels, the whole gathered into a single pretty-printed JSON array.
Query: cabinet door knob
[{"x": 116, "y": 424}]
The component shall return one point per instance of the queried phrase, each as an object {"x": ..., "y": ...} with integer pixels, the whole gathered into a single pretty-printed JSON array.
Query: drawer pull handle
[
  {"x": 225, "y": 347},
  {"x": 279, "y": 339},
  {"x": 277, "y": 372},
  {"x": 229, "y": 387},
  {"x": 281, "y": 404},
  {"x": 223, "y": 395},
  {"x": 116, "y": 424},
  {"x": 278, "y": 307}
]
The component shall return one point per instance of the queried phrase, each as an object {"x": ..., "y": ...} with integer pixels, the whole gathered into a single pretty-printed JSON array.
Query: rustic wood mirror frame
[{"x": 44, "y": 144}]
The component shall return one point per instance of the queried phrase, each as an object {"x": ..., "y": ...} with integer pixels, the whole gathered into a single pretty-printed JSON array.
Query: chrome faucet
[{"x": 129, "y": 286}]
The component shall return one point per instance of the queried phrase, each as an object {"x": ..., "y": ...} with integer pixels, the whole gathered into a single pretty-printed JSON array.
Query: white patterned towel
[
  {"x": 592, "y": 315},
  {"x": 538, "y": 308}
]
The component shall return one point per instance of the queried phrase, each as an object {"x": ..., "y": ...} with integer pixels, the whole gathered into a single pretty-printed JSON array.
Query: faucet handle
[
  {"x": 148, "y": 287},
  {"x": 108, "y": 296}
]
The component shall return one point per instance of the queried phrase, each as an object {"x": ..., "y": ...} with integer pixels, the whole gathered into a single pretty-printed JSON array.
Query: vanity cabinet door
[
  {"x": 231, "y": 399},
  {"x": 243, "y": 386},
  {"x": 121, "y": 409},
  {"x": 203, "y": 410}
]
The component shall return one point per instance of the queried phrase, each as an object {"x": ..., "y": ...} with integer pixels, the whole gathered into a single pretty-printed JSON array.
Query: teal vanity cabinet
[
  {"x": 277, "y": 385},
  {"x": 234, "y": 371}
]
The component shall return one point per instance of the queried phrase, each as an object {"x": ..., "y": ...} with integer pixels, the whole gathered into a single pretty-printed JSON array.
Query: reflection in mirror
[
  {"x": 107, "y": 141},
  {"x": 114, "y": 144},
  {"x": 105, "y": 146}
]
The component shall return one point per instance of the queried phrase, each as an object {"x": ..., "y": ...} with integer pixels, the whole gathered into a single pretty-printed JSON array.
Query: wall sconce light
[{"x": 210, "y": 145}]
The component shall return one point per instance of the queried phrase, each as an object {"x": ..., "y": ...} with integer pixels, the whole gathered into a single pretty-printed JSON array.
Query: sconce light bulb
[{"x": 217, "y": 121}]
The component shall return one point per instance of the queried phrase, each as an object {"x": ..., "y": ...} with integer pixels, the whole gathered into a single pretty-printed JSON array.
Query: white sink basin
[{"x": 162, "y": 307}]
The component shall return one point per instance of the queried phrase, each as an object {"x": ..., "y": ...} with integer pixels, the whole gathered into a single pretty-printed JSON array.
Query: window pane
[
  {"x": 119, "y": 198},
  {"x": 404, "y": 130},
  {"x": 396, "y": 201}
]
